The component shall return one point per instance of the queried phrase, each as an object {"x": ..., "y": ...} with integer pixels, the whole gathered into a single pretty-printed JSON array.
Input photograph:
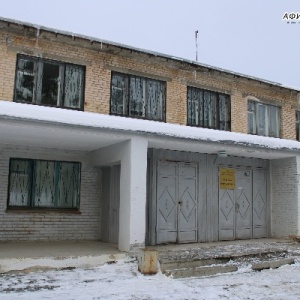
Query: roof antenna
[{"x": 196, "y": 40}]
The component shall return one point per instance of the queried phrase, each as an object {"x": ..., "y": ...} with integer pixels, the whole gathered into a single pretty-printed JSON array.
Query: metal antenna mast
[{"x": 196, "y": 40}]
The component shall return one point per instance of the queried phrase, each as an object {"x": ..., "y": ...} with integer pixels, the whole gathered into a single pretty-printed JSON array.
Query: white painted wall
[
  {"x": 285, "y": 197},
  {"x": 132, "y": 217}
]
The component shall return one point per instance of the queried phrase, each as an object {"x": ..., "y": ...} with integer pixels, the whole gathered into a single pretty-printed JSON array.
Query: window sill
[{"x": 43, "y": 210}]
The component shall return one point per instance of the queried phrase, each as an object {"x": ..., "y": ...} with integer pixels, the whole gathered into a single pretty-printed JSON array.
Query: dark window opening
[
  {"x": 43, "y": 184},
  {"x": 138, "y": 97},
  {"x": 208, "y": 109},
  {"x": 50, "y": 83}
]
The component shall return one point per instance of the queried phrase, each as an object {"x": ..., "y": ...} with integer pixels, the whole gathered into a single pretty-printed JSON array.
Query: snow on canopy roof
[
  {"x": 29, "y": 112},
  {"x": 40, "y": 28}
]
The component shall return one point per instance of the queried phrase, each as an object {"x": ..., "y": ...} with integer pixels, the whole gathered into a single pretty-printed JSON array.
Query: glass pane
[
  {"x": 262, "y": 128},
  {"x": 251, "y": 118},
  {"x": 206, "y": 109},
  {"x": 119, "y": 94},
  {"x": 213, "y": 110},
  {"x": 298, "y": 125},
  {"x": 189, "y": 106},
  {"x": 50, "y": 84},
  {"x": 25, "y": 80},
  {"x": 273, "y": 121},
  {"x": 19, "y": 182},
  {"x": 137, "y": 96},
  {"x": 224, "y": 112},
  {"x": 68, "y": 185},
  {"x": 194, "y": 107},
  {"x": 44, "y": 185},
  {"x": 74, "y": 78},
  {"x": 155, "y": 99}
]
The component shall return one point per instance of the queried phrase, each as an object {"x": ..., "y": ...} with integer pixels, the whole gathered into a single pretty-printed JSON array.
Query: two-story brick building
[{"x": 108, "y": 142}]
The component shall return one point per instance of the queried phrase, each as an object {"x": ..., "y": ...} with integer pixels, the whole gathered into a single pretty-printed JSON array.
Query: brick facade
[
  {"x": 51, "y": 225},
  {"x": 99, "y": 64}
]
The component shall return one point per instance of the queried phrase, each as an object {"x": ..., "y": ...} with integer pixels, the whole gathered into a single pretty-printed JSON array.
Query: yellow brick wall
[{"x": 98, "y": 76}]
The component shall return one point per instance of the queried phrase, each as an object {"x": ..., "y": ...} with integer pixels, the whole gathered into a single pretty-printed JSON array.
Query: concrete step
[
  {"x": 272, "y": 264},
  {"x": 186, "y": 264},
  {"x": 200, "y": 271}
]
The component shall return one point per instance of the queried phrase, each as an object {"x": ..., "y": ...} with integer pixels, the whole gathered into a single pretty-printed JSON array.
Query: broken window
[
  {"x": 49, "y": 83},
  {"x": 136, "y": 96},
  {"x": 263, "y": 119},
  {"x": 43, "y": 183},
  {"x": 208, "y": 109},
  {"x": 298, "y": 125}
]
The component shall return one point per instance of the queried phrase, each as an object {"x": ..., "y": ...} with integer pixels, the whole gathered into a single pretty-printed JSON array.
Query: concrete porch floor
[
  {"x": 27, "y": 256},
  {"x": 40, "y": 255}
]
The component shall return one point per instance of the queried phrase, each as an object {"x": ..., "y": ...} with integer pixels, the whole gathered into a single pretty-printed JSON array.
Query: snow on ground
[{"x": 122, "y": 281}]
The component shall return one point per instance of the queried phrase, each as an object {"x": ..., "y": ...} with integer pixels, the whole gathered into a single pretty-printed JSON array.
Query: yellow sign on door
[{"x": 227, "y": 178}]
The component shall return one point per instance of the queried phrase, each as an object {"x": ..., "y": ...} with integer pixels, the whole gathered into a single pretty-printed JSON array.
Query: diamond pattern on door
[
  {"x": 226, "y": 205},
  {"x": 166, "y": 204},
  {"x": 243, "y": 204},
  {"x": 259, "y": 204},
  {"x": 188, "y": 204}
]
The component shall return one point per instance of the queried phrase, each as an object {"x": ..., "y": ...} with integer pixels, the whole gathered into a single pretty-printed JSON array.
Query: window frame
[
  {"x": 31, "y": 201},
  {"x": 212, "y": 109},
  {"x": 127, "y": 97},
  {"x": 263, "y": 129},
  {"x": 39, "y": 63}
]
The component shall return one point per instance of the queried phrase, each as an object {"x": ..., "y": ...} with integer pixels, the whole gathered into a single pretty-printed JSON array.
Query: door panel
[
  {"x": 226, "y": 214},
  {"x": 259, "y": 204},
  {"x": 166, "y": 204},
  {"x": 176, "y": 203},
  {"x": 187, "y": 205},
  {"x": 243, "y": 204},
  {"x": 235, "y": 208}
]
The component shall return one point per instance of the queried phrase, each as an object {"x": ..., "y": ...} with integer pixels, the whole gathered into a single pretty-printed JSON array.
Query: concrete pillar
[{"x": 132, "y": 217}]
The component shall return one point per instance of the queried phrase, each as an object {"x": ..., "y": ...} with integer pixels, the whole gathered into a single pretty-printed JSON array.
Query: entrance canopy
[{"x": 25, "y": 124}]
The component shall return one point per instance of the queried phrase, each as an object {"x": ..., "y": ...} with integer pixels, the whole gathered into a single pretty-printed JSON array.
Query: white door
[
  {"x": 259, "y": 204},
  {"x": 176, "y": 202},
  {"x": 235, "y": 208}
]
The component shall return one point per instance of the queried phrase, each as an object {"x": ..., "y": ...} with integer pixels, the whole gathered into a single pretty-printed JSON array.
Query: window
[
  {"x": 263, "y": 119},
  {"x": 43, "y": 183},
  {"x": 298, "y": 125},
  {"x": 208, "y": 109},
  {"x": 138, "y": 97},
  {"x": 49, "y": 83}
]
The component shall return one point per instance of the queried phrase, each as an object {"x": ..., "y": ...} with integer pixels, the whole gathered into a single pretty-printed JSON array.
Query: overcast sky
[{"x": 246, "y": 36}]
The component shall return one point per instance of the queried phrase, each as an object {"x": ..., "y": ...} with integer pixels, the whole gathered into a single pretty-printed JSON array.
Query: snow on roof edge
[
  {"x": 36, "y": 113},
  {"x": 172, "y": 57}
]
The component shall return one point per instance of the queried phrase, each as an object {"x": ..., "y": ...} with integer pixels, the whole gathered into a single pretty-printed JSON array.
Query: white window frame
[{"x": 263, "y": 119}]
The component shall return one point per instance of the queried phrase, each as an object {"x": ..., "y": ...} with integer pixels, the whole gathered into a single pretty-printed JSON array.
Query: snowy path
[{"x": 122, "y": 281}]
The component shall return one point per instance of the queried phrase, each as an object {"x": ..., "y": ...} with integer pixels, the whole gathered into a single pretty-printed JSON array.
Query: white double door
[
  {"x": 243, "y": 210},
  {"x": 176, "y": 196}
]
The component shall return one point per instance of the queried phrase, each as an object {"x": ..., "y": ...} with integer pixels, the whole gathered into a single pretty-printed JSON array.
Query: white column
[{"x": 132, "y": 217}]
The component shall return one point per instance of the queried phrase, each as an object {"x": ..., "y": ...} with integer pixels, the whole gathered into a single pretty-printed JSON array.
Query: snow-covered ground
[{"x": 121, "y": 280}]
